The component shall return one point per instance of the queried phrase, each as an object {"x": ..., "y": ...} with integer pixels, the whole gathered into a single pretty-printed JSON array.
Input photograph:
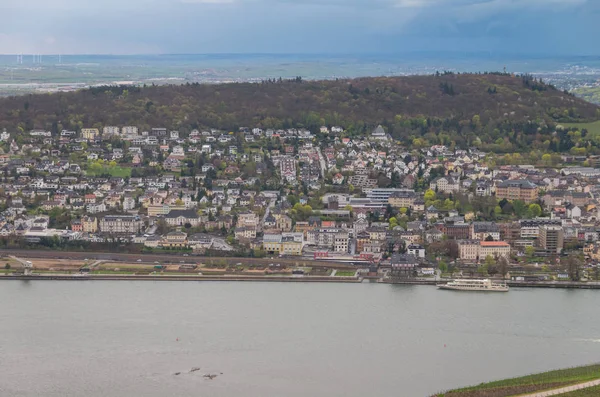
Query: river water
[{"x": 121, "y": 338}]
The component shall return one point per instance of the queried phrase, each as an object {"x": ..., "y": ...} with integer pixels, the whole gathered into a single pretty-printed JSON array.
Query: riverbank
[
  {"x": 67, "y": 277},
  {"x": 531, "y": 385},
  {"x": 276, "y": 278}
]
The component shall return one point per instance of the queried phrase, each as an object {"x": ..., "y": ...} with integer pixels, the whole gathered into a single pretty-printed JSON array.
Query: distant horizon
[{"x": 329, "y": 54}]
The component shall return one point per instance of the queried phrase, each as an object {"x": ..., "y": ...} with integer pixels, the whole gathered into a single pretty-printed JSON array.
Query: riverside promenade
[{"x": 563, "y": 390}]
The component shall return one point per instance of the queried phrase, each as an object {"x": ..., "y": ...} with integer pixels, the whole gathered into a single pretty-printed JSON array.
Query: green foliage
[
  {"x": 429, "y": 195},
  {"x": 529, "y": 251},
  {"x": 301, "y": 212},
  {"x": 456, "y": 110},
  {"x": 535, "y": 210},
  {"x": 530, "y": 383}
]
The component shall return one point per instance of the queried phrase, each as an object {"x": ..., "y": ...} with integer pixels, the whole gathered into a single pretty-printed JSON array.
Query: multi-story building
[
  {"x": 459, "y": 231},
  {"x": 402, "y": 265},
  {"x": 175, "y": 240},
  {"x": 90, "y": 133},
  {"x": 341, "y": 242},
  {"x": 416, "y": 249},
  {"x": 518, "y": 189},
  {"x": 89, "y": 224},
  {"x": 322, "y": 237},
  {"x": 485, "y": 231},
  {"x": 182, "y": 217},
  {"x": 163, "y": 209},
  {"x": 288, "y": 244},
  {"x": 118, "y": 224},
  {"x": 494, "y": 249},
  {"x": 530, "y": 228},
  {"x": 110, "y": 130},
  {"x": 129, "y": 130},
  {"x": 245, "y": 232},
  {"x": 475, "y": 250},
  {"x": 468, "y": 250},
  {"x": 128, "y": 203},
  {"x": 402, "y": 199},
  {"x": 158, "y": 132},
  {"x": 248, "y": 219},
  {"x": 551, "y": 239},
  {"x": 445, "y": 184},
  {"x": 288, "y": 169}
]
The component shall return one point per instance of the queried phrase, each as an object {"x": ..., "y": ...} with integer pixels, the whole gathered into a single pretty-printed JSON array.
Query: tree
[
  {"x": 529, "y": 251},
  {"x": 429, "y": 195},
  {"x": 498, "y": 210},
  {"x": 488, "y": 264},
  {"x": 535, "y": 210},
  {"x": 546, "y": 159},
  {"x": 503, "y": 266},
  {"x": 162, "y": 227},
  {"x": 7, "y": 266},
  {"x": 573, "y": 267},
  {"x": 443, "y": 267}
]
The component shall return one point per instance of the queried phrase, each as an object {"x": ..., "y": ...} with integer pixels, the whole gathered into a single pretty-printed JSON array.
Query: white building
[{"x": 110, "y": 130}]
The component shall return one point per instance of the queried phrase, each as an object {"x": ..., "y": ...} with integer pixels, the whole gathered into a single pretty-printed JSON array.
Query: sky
[{"x": 545, "y": 27}]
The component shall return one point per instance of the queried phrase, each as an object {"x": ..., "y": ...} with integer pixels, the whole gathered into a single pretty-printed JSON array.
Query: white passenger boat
[{"x": 474, "y": 285}]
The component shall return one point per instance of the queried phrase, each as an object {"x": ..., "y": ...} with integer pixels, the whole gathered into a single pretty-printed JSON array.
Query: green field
[
  {"x": 117, "y": 171},
  {"x": 592, "y": 128},
  {"x": 345, "y": 273},
  {"x": 529, "y": 384},
  {"x": 590, "y": 94}
]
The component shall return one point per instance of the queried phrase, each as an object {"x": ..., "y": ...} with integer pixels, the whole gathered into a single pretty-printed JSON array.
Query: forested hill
[{"x": 509, "y": 111}]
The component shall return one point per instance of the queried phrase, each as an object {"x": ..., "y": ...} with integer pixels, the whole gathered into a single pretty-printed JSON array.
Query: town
[{"x": 324, "y": 195}]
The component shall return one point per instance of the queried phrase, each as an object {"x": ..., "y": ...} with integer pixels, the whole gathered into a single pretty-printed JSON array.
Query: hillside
[{"x": 515, "y": 110}]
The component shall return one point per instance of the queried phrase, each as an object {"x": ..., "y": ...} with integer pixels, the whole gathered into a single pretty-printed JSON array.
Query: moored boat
[{"x": 474, "y": 285}]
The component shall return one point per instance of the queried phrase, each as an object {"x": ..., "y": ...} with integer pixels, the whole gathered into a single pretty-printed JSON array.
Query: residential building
[
  {"x": 182, "y": 218},
  {"x": 551, "y": 239},
  {"x": 519, "y": 189},
  {"x": 468, "y": 250},
  {"x": 89, "y": 224},
  {"x": 417, "y": 250},
  {"x": 90, "y": 133},
  {"x": 175, "y": 240},
  {"x": 494, "y": 249},
  {"x": 445, "y": 184},
  {"x": 110, "y": 130},
  {"x": 119, "y": 224}
]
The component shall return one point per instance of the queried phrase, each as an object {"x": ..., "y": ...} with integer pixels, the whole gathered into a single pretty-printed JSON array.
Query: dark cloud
[{"x": 286, "y": 26}]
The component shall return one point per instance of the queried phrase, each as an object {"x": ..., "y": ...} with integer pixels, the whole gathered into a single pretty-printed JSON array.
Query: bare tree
[
  {"x": 503, "y": 266},
  {"x": 573, "y": 265}
]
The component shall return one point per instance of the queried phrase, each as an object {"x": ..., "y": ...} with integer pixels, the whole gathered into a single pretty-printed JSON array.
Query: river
[{"x": 122, "y": 338}]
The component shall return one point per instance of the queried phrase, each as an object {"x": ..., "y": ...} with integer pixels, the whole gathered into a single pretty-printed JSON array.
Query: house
[
  {"x": 520, "y": 189},
  {"x": 182, "y": 218},
  {"x": 379, "y": 133},
  {"x": 445, "y": 184},
  {"x": 416, "y": 249},
  {"x": 284, "y": 223},
  {"x": 245, "y": 233},
  {"x": 120, "y": 224},
  {"x": 174, "y": 240},
  {"x": 338, "y": 179},
  {"x": 402, "y": 265},
  {"x": 77, "y": 225}
]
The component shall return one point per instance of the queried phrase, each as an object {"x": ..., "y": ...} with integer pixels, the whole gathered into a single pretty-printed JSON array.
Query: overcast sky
[{"x": 299, "y": 26}]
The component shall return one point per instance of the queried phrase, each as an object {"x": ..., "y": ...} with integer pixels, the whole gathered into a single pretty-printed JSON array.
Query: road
[
  {"x": 268, "y": 210},
  {"x": 151, "y": 258},
  {"x": 563, "y": 390},
  {"x": 322, "y": 162}
]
